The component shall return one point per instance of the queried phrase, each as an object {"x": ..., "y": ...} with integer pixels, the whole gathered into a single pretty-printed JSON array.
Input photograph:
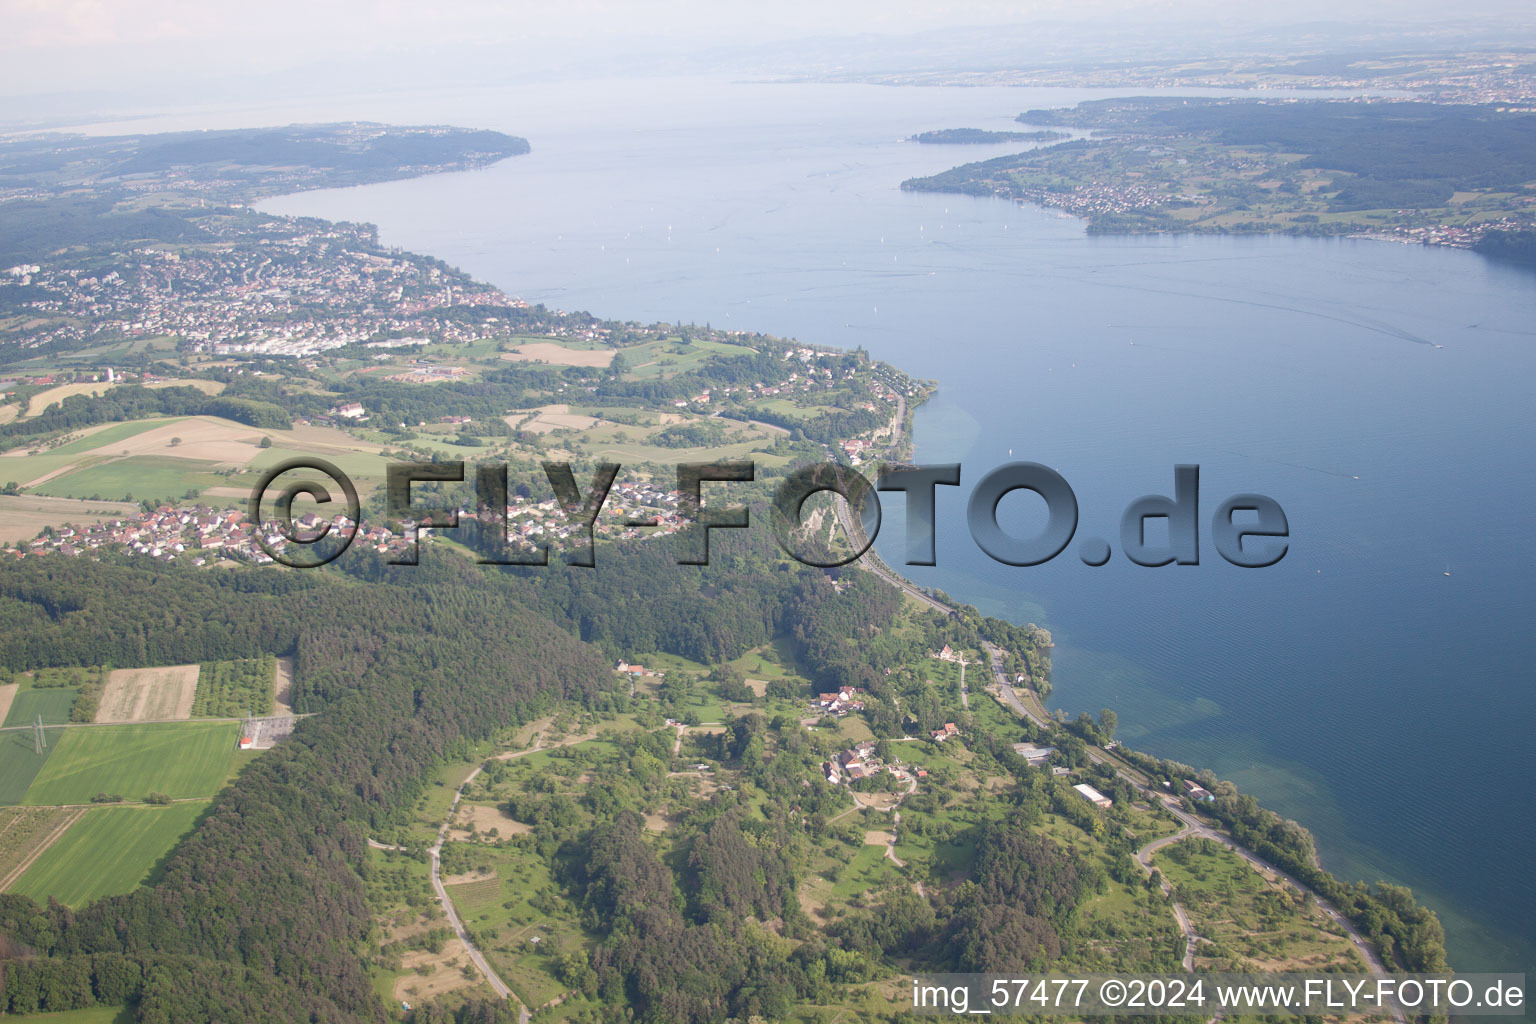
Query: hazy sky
[{"x": 51, "y": 46}]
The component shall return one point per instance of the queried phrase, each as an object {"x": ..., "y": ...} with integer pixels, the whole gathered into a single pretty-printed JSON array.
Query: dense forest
[{"x": 1514, "y": 246}]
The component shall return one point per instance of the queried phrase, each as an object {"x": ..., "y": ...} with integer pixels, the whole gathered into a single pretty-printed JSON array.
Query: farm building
[{"x": 1092, "y": 795}]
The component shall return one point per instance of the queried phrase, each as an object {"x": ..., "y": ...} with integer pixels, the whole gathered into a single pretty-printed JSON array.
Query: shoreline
[{"x": 1031, "y": 706}]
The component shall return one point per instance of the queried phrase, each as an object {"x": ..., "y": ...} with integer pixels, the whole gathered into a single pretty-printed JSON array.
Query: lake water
[{"x": 1382, "y": 394}]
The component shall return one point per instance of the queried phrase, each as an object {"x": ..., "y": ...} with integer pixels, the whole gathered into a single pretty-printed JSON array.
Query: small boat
[{"x": 1447, "y": 571}]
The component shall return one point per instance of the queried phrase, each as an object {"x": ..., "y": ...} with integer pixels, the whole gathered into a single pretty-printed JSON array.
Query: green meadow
[
  {"x": 110, "y": 850},
  {"x": 53, "y": 703},
  {"x": 180, "y": 759},
  {"x": 142, "y": 476}
]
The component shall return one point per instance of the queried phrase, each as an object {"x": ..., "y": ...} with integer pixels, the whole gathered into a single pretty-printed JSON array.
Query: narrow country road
[
  {"x": 1144, "y": 861},
  {"x": 475, "y": 955},
  {"x": 436, "y": 851}
]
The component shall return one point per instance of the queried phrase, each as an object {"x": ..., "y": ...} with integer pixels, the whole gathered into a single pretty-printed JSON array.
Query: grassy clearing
[
  {"x": 666, "y": 357},
  {"x": 110, "y": 850},
  {"x": 1123, "y": 925},
  {"x": 869, "y": 869},
  {"x": 189, "y": 759}
]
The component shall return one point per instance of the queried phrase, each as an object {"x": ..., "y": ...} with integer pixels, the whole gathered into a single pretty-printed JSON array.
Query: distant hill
[
  {"x": 974, "y": 136},
  {"x": 58, "y": 190},
  {"x": 247, "y": 160}
]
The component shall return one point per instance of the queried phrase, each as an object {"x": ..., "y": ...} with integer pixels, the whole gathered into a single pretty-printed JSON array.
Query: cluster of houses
[
  {"x": 208, "y": 535},
  {"x": 856, "y": 448},
  {"x": 838, "y": 704},
  {"x": 539, "y": 522},
  {"x": 199, "y": 533},
  {"x": 795, "y": 382},
  {"x": 859, "y": 762},
  {"x": 324, "y": 292}
]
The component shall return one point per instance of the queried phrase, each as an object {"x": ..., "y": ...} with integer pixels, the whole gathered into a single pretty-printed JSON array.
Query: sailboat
[{"x": 1447, "y": 571}]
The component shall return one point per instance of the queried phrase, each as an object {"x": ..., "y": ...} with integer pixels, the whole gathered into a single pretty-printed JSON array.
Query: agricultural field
[
  {"x": 133, "y": 479},
  {"x": 43, "y": 399},
  {"x": 23, "y": 516},
  {"x": 148, "y": 694},
  {"x": 207, "y": 387},
  {"x": 20, "y": 762},
  {"x": 180, "y": 760},
  {"x": 362, "y": 466},
  {"x": 549, "y": 418},
  {"x": 109, "y": 438},
  {"x": 29, "y": 700},
  {"x": 166, "y": 458},
  {"x": 559, "y": 355},
  {"x": 235, "y": 689},
  {"x": 110, "y": 850},
  {"x": 741, "y": 442},
  {"x": 25, "y": 832}
]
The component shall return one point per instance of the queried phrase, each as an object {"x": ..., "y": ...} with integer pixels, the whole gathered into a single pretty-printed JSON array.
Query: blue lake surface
[{"x": 1382, "y": 394}]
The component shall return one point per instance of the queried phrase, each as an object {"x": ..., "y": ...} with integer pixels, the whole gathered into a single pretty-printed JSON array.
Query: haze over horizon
[{"x": 85, "y": 57}]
